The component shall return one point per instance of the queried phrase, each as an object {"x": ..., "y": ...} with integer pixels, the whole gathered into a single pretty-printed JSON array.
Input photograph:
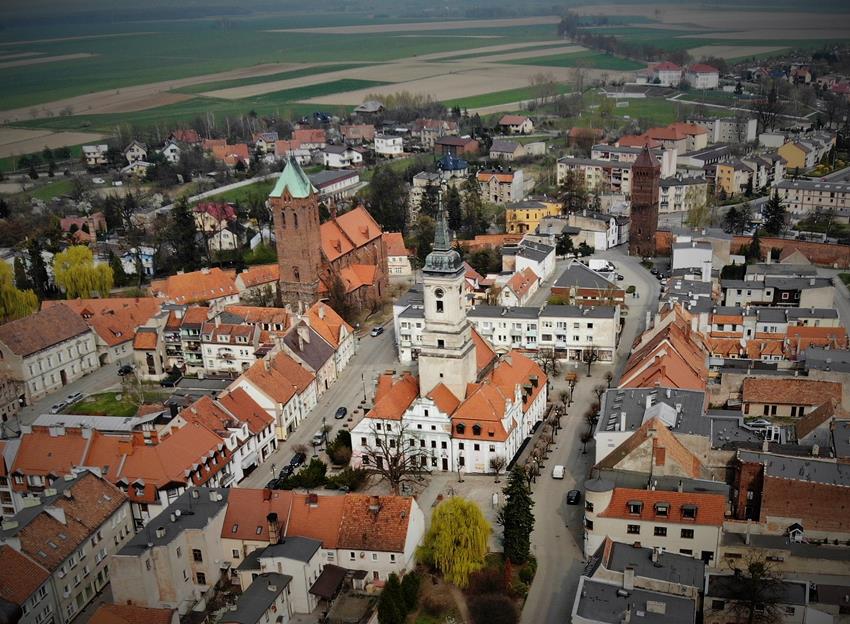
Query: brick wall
[
  {"x": 820, "y": 508},
  {"x": 817, "y": 253}
]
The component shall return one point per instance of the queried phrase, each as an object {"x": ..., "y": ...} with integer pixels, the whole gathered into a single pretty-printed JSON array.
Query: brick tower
[
  {"x": 295, "y": 210},
  {"x": 646, "y": 175}
]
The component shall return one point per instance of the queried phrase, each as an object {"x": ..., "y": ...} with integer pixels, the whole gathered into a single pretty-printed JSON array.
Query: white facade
[
  {"x": 681, "y": 195},
  {"x": 691, "y": 254},
  {"x": 703, "y": 79},
  {"x": 388, "y": 146},
  {"x": 399, "y": 266},
  {"x": 128, "y": 260},
  {"x": 171, "y": 152},
  {"x": 225, "y": 351},
  {"x": 335, "y": 159},
  {"x": 287, "y": 415}
]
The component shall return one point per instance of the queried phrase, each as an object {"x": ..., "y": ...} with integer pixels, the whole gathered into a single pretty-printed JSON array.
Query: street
[
  {"x": 374, "y": 356},
  {"x": 558, "y": 534}
]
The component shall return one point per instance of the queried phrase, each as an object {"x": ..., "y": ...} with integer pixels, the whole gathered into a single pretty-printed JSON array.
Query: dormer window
[
  {"x": 476, "y": 430},
  {"x": 662, "y": 509},
  {"x": 689, "y": 512},
  {"x": 635, "y": 507},
  {"x": 460, "y": 428}
]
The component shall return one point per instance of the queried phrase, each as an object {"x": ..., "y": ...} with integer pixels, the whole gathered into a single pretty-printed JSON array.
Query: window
[
  {"x": 689, "y": 512},
  {"x": 460, "y": 446},
  {"x": 635, "y": 507},
  {"x": 588, "y": 524},
  {"x": 633, "y": 529},
  {"x": 476, "y": 430},
  {"x": 201, "y": 578},
  {"x": 660, "y": 531},
  {"x": 392, "y": 558},
  {"x": 686, "y": 551},
  {"x": 235, "y": 553},
  {"x": 441, "y": 344},
  {"x": 718, "y": 605},
  {"x": 351, "y": 556},
  {"x": 185, "y": 575},
  {"x": 476, "y": 447},
  {"x": 440, "y": 307},
  {"x": 588, "y": 506},
  {"x": 687, "y": 534},
  {"x": 197, "y": 555},
  {"x": 662, "y": 509}
]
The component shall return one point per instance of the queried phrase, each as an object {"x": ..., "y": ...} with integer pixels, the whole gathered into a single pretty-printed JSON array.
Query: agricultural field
[{"x": 588, "y": 60}]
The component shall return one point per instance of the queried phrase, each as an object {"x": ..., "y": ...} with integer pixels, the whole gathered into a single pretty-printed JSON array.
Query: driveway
[{"x": 557, "y": 541}]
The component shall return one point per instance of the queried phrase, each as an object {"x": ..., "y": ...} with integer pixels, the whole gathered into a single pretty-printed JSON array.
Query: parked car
[
  {"x": 654, "y": 271},
  {"x": 341, "y": 412},
  {"x": 318, "y": 438},
  {"x": 298, "y": 459},
  {"x": 58, "y": 407},
  {"x": 558, "y": 472},
  {"x": 126, "y": 369},
  {"x": 287, "y": 471},
  {"x": 377, "y": 331},
  {"x": 759, "y": 423},
  {"x": 73, "y": 398},
  {"x": 573, "y": 497},
  {"x": 620, "y": 277}
]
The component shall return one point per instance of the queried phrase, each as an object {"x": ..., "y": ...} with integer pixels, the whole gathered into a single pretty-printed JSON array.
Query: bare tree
[
  {"x": 609, "y": 377},
  {"x": 586, "y": 436},
  {"x": 497, "y": 464},
  {"x": 396, "y": 456},
  {"x": 548, "y": 360},
  {"x": 755, "y": 591},
  {"x": 599, "y": 390}
]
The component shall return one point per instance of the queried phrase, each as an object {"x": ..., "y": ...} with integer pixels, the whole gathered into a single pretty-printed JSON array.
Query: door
[
  {"x": 64, "y": 377},
  {"x": 445, "y": 463}
]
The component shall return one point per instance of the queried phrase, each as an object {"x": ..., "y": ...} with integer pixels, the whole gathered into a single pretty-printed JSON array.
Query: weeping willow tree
[
  {"x": 456, "y": 542},
  {"x": 14, "y": 303},
  {"x": 75, "y": 272}
]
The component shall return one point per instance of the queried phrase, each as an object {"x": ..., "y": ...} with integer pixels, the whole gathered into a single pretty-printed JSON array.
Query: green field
[
  {"x": 589, "y": 60},
  {"x": 54, "y": 188},
  {"x": 242, "y": 82},
  {"x": 242, "y": 194},
  {"x": 496, "y": 98}
]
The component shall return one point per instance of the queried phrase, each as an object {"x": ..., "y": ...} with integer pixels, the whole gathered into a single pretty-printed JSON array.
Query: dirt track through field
[
  {"x": 38, "y": 60},
  {"x": 19, "y": 141},
  {"x": 79, "y": 38},
  {"x": 8, "y": 57},
  {"x": 420, "y": 26}
]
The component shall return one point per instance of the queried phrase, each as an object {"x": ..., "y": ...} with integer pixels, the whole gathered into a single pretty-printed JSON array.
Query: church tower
[
  {"x": 294, "y": 203},
  {"x": 646, "y": 176},
  {"x": 447, "y": 355}
]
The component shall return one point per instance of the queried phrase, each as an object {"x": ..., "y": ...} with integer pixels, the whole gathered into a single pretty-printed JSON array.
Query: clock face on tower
[{"x": 438, "y": 293}]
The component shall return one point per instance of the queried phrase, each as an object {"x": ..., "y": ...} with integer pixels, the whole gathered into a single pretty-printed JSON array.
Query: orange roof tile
[
  {"x": 711, "y": 508},
  {"x": 756, "y": 348},
  {"x": 393, "y": 396},
  {"x": 394, "y": 243},
  {"x": 641, "y": 140},
  {"x": 279, "y": 377},
  {"x": 259, "y": 275},
  {"x": 512, "y": 120},
  {"x": 818, "y": 416},
  {"x": 521, "y": 282},
  {"x": 800, "y": 338},
  {"x": 444, "y": 399},
  {"x": 356, "y": 276},
  {"x": 484, "y": 406},
  {"x": 241, "y": 405},
  {"x": 197, "y": 286},
  {"x": 309, "y": 135},
  {"x": 484, "y": 353},
  {"x": 145, "y": 340},
  {"x": 20, "y": 577},
  {"x": 328, "y": 324},
  {"x": 486, "y": 176},
  {"x": 131, "y": 614},
  {"x": 724, "y": 319},
  {"x": 257, "y": 315},
  {"x": 789, "y": 391},
  {"x": 516, "y": 368},
  {"x": 50, "y": 326},
  {"x": 364, "y": 528},
  {"x": 348, "y": 231}
]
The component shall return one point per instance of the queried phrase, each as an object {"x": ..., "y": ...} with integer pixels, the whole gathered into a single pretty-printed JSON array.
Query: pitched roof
[
  {"x": 220, "y": 211},
  {"x": 484, "y": 353},
  {"x": 308, "y": 345},
  {"x": 711, "y": 508},
  {"x": 114, "y": 320},
  {"x": 20, "y": 577},
  {"x": 294, "y": 181},
  {"x": 259, "y": 274},
  {"x": 521, "y": 282},
  {"x": 375, "y": 522},
  {"x": 666, "y": 66},
  {"x": 512, "y": 120},
  {"x": 42, "y": 330},
  {"x": 789, "y": 391},
  {"x": 243, "y": 407},
  {"x": 702, "y": 68},
  {"x": 309, "y": 135},
  {"x": 131, "y": 614},
  {"x": 356, "y": 276},
  {"x": 393, "y": 396},
  {"x": 280, "y": 377},
  {"x": 254, "y": 315},
  {"x": 444, "y": 398},
  {"x": 347, "y": 232},
  {"x": 394, "y": 243},
  {"x": 505, "y": 147},
  {"x": 823, "y": 413},
  {"x": 145, "y": 340},
  {"x": 327, "y": 323},
  {"x": 197, "y": 286}
]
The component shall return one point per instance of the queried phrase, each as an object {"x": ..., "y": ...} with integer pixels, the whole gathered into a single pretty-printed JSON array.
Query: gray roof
[
  {"x": 693, "y": 245},
  {"x": 782, "y": 542},
  {"x": 781, "y": 270},
  {"x": 797, "y": 283},
  {"x": 672, "y": 567},
  {"x": 728, "y": 430},
  {"x": 28, "y": 514},
  {"x": 504, "y": 146},
  {"x": 569, "y": 311},
  {"x": 800, "y": 313},
  {"x": 315, "y": 352},
  {"x": 412, "y": 312},
  {"x": 689, "y": 181},
  {"x": 689, "y": 288},
  {"x": 789, "y": 592},
  {"x": 491, "y": 311},
  {"x": 297, "y": 548},
  {"x": 197, "y": 508},
  {"x": 841, "y": 438},
  {"x": 741, "y": 284},
  {"x": 534, "y": 251},
  {"x": 604, "y": 602},
  {"x": 771, "y": 315},
  {"x": 665, "y": 483},
  {"x": 324, "y": 178},
  {"x": 257, "y": 599},
  {"x": 718, "y": 233},
  {"x": 100, "y": 423},
  {"x": 414, "y": 296},
  {"x": 604, "y": 164},
  {"x": 578, "y": 275},
  {"x": 641, "y": 404},
  {"x": 251, "y": 561},
  {"x": 799, "y": 468},
  {"x": 818, "y": 358},
  {"x": 814, "y": 185}
]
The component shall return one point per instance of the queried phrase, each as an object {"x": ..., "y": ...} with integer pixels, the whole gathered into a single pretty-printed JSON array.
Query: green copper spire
[
  {"x": 294, "y": 180},
  {"x": 443, "y": 257}
]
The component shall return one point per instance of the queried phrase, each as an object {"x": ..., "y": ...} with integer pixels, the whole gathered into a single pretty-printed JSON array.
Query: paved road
[
  {"x": 558, "y": 535},
  {"x": 374, "y": 355}
]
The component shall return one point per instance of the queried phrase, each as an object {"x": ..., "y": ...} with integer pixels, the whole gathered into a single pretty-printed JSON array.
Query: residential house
[
  {"x": 693, "y": 254},
  {"x": 357, "y": 133},
  {"x": 271, "y": 320},
  {"x": 284, "y": 150},
  {"x": 598, "y": 230},
  {"x": 528, "y": 254},
  {"x": 218, "y": 225},
  {"x": 142, "y": 255},
  {"x": 388, "y": 146},
  {"x": 258, "y": 283},
  {"x": 135, "y": 151},
  {"x": 603, "y": 602},
  {"x": 728, "y": 129},
  {"x": 688, "y": 522},
  {"x": 429, "y": 130},
  {"x": 519, "y": 288},
  {"x": 702, "y": 76},
  {"x": 267, "y": 598},
  {"x": 300, "y": 558},
  {"x": 215, "y": 286},
  {"x": 228, "y": 347},
  {"x": 604, "y": 176},
  {"x": 398, "y": 256},
  {"x": 506, "y": 150},
  {"x": 523, "y": 217},
  {"x": 187, "y": 136},
  {"x": 129, "y": 614},
  {"x": 733, "y": 178},
  {"x": 307, "y": 346},
  {"x": 575, "y": 331},
  {"x": 310, "y": 138},
  {"x": 149, "y": 355},
  {"x": 335, "y": 331},
  {"x": 137, "y": 168},
  {"x": 792, "y": 398},
  {"x": 580, "y": 285},
  {"x": 506, "y": 328},
  {"x": 171, "y": 152},
  {"x": 89, "y": 224},
  {"x": 95, "y": 155},
  {"x": 666, "y": 74},
  {"x": 516, "y": 124},
  {"x": 265, "y": 142},
  {"x": 799, "y": 155},
  {"x": 681, "y": 195},
  {"x": 803, "y": 197},
  {"x": 68, "y": 533},
  {"x": 369, "y": 107},
  {"x": 336, "y": 185},
  {"x": 341, "y": 156},
  {"x": 27, "y": 584},
  {"x": 502, "y": 187},
  {"x": 11, "y": 395},
  {"x": 723, "y": 601},
  {"x": 232, "y": 155},
  {"x": 47, "y": 350},
  {"x": 283, "y": 388},
  {"x": 178, "y": 562},
  {"x": 682, "y": 137},
  {"x": 457, "y": 146}
]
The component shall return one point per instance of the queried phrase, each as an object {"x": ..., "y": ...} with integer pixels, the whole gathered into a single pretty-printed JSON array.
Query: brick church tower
[
  {"x": 294, "y": 203},
  {"x": 646, "y": 175}
]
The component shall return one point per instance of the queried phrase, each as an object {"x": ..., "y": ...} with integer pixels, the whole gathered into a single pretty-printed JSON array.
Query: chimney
[
  {"x": 747, "y": 535},
  {"x": 815, "y": 450},
  {"x": 648, "y": 401},
  {"x": 274, "y": 528},
  {"x": 217, "y": 320},
  {"x": 655, "y": 550},
  {"x": 622, "y": 421},
  {"x": 629, "y": 578},
  {"x": 681, "y": 487},
  {"x": 160, "y": 532},
  {"x": 322, "y": 312},
  {"x": 267, "y": 364}
]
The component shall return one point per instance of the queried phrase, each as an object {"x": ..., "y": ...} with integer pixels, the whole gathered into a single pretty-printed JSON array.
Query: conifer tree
[{"x": 516, "y": 517}]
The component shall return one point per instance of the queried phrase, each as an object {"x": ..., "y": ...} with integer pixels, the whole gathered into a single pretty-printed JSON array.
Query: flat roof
[
  {"x": 804, "y": 468},
  {"x": 789, "y": 592},
  {"x": 491, "y": 311},
  {"x": 670, "y": 567},
  {"x": 681, "y": 410},
  {"x": 604, "y": 602}
]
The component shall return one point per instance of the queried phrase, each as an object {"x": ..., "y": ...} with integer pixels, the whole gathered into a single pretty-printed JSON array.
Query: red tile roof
[
  {"x": 259, "y": 275},
  {"x": 522, "y": 282},
  {"x": 20, "y": 577},
  {"x": 219, "y": 211},
  {"x": 114, "y": 320},
  {"x": 512, "y": 120},
  {"x": 484, "y": 353},
  {"x": 711, "y": 508},
  {"x": 39, "y": 331},
  {"x": 256, "y": 315},
  {"x": 665, "y": 66},
  {"x": 393, "y": 396},
  {"x": 279, "y": 377},
  {"x": 197, "y": 286},
  {"x": 444, "y": 399},
  {"x": 377, "y": 523},
  {"x": 347, "y": 232},
  {"x": 793, "y": 391},
  {"x": 131, "y": 614},
  {"x": 145, "y": 341},
  {"x": 238, "y": 403},
  {"x": 702, "y": 68},
  {"x": 356, "y": 276},
  {"x": 394, "y": 243},
  {"x": 309, "y": 135},
  {"x": 328, "y": 324}
]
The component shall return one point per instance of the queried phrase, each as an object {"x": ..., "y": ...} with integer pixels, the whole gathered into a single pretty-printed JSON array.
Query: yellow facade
[
  {"x": 795, "y": 156},
  {"x": 525, "y": 217}
]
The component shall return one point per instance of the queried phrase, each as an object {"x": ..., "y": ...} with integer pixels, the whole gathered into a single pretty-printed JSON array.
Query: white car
[
  {"x": 98, "y": 181},
  {"x": 558, "y": 472},
  {"x": 55, "y": 409}
]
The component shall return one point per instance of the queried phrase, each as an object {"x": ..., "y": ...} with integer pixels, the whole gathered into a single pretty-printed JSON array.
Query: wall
[{"x": 826, "y": 254}]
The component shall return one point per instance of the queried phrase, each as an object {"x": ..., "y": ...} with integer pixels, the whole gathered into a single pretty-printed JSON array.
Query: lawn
[
  {"x": 243, "y": 193},
  {"x": 55, "y": 188},
  {"x": 844, "y": 277},
  {"x": 589, "y": 60},
  {"x": 106, "y": 404},
  {"x": 496, "y": 98}
]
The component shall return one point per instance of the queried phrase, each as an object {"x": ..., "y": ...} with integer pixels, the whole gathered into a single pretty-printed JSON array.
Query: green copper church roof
[
  {"x": 293, "y": 179},
  {"x": 443, "y": 258}
]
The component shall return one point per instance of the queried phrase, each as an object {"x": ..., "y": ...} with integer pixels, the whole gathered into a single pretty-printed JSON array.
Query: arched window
[
  {"x": 476, "y": 430},
  {"x": 294, "y": 219},
  {"x": 296, "y": 273},
  {"x": 460, "y": 428},
  {"x": 283, "y": 219}
]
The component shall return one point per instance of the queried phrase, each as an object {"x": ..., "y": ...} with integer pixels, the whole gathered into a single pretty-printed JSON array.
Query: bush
[
  {"x": 311, "y": 477},
  {"x": 519, "y": 589},
  {"x": 486, "y": 581},
  {"x": 339, "y": 450},
  {"x": 526, "y": 574},
  {"x": 493, "y": 609},
  {"x": 410, "y": 590},
  {"x": 351, "y": 479},
  {"x": 436, "y": 604},
  {"x": 630, "y": 290}
]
